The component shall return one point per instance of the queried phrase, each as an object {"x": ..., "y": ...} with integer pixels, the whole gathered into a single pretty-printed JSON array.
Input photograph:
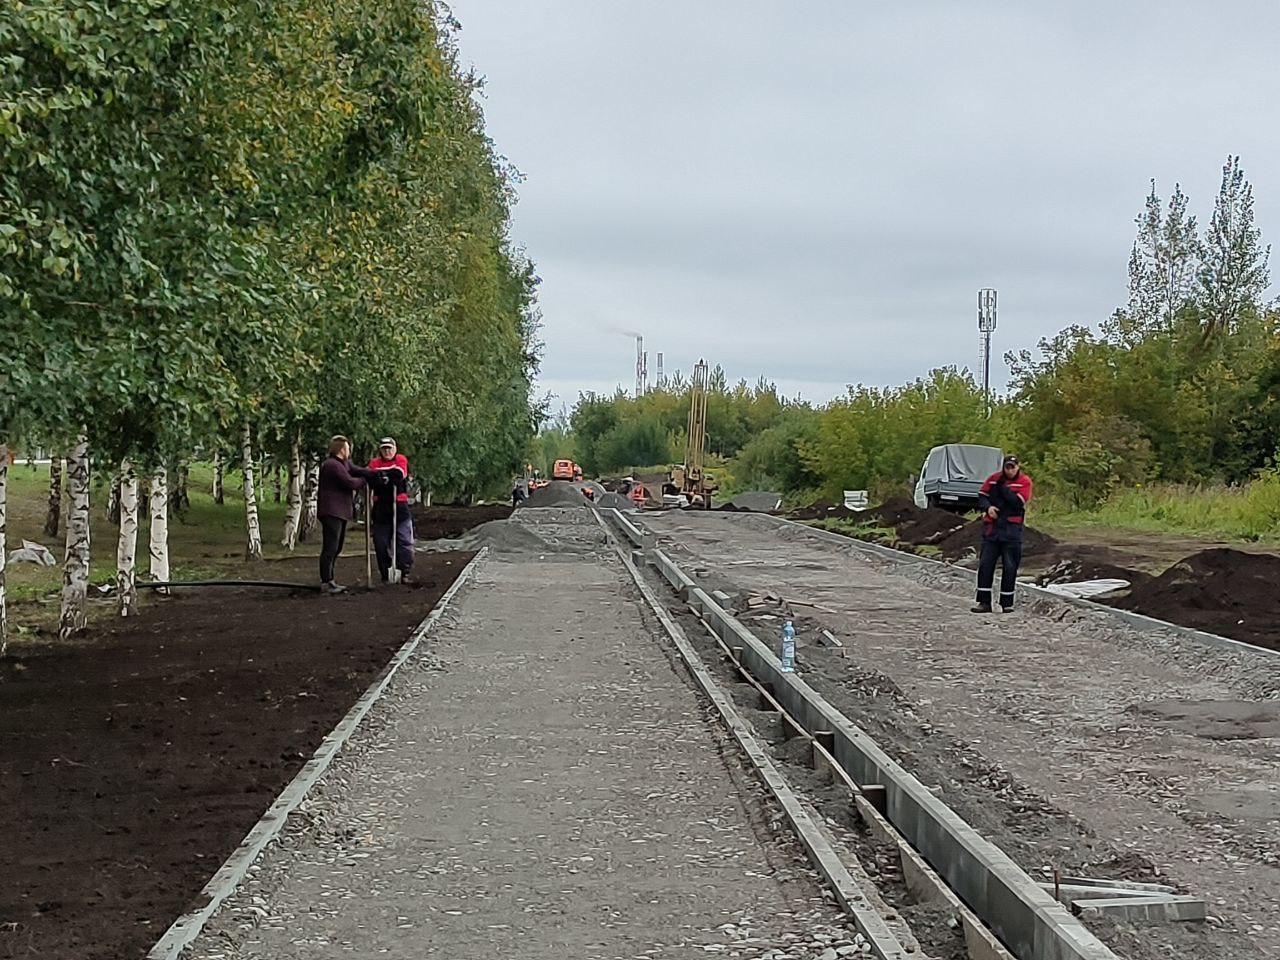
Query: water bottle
[{"x": 788, "y": 648}]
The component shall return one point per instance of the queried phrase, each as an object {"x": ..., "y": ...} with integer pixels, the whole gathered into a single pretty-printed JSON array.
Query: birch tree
[
  {"x": 159, "y": 538},
  {"x": 293, "y": 512},
  {"x": 75, "y": 568},
  {"x": 1235, "y": 271},
  {"x": 253, "y": 550},
  {"x": 127, "y": 544},
  {"x": 53, "y": 517},
  {"x": 1166, "y": 256}
]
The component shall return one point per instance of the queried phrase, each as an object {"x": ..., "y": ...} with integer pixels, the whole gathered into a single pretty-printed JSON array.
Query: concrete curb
[
  {"x": 1138, "y": 620},
  {"x": 223, "y": 883}
]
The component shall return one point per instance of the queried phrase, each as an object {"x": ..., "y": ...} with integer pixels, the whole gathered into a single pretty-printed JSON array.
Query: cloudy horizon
[{"x": 815, "y": 195}]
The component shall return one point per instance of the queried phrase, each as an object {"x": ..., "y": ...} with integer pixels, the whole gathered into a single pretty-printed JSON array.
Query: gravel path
[
  {"x": 541, "y": 783},
  {"x": 1049, "y": 729}
]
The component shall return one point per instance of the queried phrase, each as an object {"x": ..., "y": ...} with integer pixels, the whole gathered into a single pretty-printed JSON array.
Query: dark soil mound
[
  {"x": 449, "y": 523},
  {"x": 1220, "y": 591},
  {"x": 822, "y": 509},
  {"x": 897, "y": 512},
  {"x": 1078, "y": 568},
  {"x": 969, "y": 537},
  {"x": 931, "y": 527},
  {"x": 914, "y": 525}
]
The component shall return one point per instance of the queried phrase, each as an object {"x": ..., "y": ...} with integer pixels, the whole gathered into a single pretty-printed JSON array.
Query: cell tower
[
  {"x": 661, "y": 379},
  {"x": 642, "y": 367},
  {"x": 986, "y": 326}
]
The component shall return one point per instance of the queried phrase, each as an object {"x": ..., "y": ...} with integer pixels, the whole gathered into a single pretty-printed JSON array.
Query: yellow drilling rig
[{"x": 689, "y": 483}]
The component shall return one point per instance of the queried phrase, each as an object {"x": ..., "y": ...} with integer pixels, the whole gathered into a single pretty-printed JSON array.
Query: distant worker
[
  {"x": 519, "y": 490},
  {"x": 339, "y": 479},
  {"x": 392, "y": 521},
  {"x": 1003, "y": 500}
]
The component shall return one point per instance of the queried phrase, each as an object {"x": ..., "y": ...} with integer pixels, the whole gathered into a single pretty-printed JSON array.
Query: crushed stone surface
[
  {"x": 1035, "y": 725},
  {"x": 539, "y": 781}
]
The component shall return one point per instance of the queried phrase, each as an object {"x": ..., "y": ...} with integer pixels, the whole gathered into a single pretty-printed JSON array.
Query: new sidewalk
[{"x": 540, "y": 782}]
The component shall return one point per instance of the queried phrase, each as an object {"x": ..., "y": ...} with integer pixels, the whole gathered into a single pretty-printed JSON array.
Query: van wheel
[{"x": 933, "y": 501}]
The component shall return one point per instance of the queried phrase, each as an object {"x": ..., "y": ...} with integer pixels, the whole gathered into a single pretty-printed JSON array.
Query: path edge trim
[{"x": 228, "y": 877}]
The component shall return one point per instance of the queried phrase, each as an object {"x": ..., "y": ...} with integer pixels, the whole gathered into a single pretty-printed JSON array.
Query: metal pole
[
  {"x": 986, "y": 325},
  {"x": 986, "y": 373},
  {"x": 368, "y": 533}
]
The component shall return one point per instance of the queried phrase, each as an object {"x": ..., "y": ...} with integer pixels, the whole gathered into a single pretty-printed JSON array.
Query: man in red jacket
[
  {"x": 1003, "y": 500},
  {"x": 391, "y": 518}
]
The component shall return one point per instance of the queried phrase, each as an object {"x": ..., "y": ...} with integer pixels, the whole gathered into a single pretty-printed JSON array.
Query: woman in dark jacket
[{"x": 339, "y": 479}]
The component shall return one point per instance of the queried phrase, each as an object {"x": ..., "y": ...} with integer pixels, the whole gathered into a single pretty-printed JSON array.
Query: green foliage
[
  {"x": 876, "y": 439},
  {"x": 287, "y": 213},
  {"x": 616, "y": 433}
]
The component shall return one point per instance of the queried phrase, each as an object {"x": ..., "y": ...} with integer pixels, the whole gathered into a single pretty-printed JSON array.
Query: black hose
[{"x": 155, "y": 584}]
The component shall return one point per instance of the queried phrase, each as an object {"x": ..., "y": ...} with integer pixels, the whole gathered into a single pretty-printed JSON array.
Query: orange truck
[{"x": 562, "y": 470}]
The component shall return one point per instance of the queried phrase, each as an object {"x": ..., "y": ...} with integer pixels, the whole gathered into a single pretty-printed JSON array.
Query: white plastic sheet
[
  {"x": 32, "y": 553},
  {"x": 1085, "y": 589}
]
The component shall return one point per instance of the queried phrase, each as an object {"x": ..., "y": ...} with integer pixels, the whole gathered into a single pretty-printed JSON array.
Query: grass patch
[
  {"x": 1250, "y": 512},
  {"x": 207, "y": 540}
]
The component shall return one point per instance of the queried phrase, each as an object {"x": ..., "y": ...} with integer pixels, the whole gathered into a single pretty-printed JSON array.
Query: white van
[{"x": 952, "y": 475}]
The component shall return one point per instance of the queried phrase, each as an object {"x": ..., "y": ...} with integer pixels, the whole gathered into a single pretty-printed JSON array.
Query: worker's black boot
[{"x": 980, "y": 608}]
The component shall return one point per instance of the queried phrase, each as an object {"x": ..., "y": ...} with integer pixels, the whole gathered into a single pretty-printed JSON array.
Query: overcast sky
[{"x": 814, "y": 192}]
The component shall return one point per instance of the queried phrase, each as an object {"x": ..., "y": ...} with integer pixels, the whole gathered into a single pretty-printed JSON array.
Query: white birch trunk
[
  {"x": 75, "y": 568},
  {"x": 218, "y": 496},
  {"x": 254, "y": 548},
  {"x": 293, "y": 511},
  {"x": 311, "y": 501},
  {"x": 159, "y": 541},
  {"x": 127, "y": 545},
  {"x": 4, "y": 509}
]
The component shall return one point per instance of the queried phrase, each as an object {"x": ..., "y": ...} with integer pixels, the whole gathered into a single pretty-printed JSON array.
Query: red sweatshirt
[{"x": 377, "y": 463}]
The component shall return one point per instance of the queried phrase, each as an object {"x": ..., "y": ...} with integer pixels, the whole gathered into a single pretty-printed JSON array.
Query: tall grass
[{"x": 1247, "y": 512}]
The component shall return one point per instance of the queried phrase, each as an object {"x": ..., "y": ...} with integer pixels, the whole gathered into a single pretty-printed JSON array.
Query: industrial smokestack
[{"x": 640, "y": 366}]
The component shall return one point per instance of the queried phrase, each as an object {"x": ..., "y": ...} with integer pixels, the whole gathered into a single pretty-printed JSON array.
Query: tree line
[
  {"x": 1181, "y": 383},
  {"x": 230, "y": 227}
]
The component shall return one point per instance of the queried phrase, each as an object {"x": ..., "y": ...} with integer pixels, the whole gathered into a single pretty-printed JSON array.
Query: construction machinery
[{"x": 689, "y": 482}]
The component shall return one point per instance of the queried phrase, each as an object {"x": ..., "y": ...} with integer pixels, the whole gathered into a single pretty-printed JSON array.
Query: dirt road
[
  {"x": 543, "y": 783},
  {"x": 1071, "y": 741}
]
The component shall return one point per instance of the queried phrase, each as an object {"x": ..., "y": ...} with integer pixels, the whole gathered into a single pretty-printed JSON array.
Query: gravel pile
[
  {"x": 500, "y": 536},
  {"x": 558, "y": 494}
]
